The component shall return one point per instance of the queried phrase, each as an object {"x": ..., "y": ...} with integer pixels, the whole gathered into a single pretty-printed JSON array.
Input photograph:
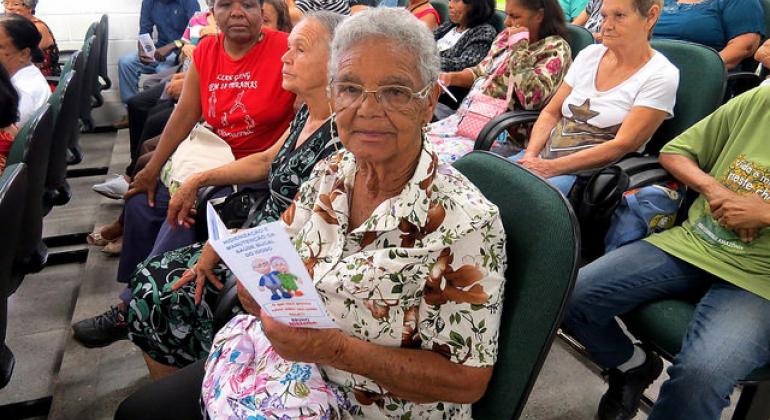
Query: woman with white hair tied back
[{"x": 407, "y": 256}]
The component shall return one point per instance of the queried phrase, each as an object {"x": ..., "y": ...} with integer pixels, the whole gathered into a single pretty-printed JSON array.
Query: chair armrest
[
  {"x": 502, "y": 122},
  {"x": 204, "y": 195}
]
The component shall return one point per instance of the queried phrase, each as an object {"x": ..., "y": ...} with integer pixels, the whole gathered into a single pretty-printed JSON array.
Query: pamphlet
[
  {"x": 266, "y": 263},
  {"x": 148, "y": 46}
]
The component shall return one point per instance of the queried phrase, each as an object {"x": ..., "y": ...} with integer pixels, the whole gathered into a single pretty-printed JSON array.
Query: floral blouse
[
  {"x": 424, "y": 271},
  {"x": 536, "y": 69}
]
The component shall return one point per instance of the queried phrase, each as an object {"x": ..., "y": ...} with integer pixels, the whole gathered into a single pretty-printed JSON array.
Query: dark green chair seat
[
  {"x": 497, "y": 20},
  {"x": 662, "y": 325},
  {"x": 442, "y": 7},
  {"x": 579, "y": 38},
  {"x": 32, "y": 146},
  {"x": 542, "y": 265}
]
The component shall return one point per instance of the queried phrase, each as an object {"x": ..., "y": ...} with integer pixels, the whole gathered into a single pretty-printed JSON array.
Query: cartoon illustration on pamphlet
[{"x": 266, "y": 263}]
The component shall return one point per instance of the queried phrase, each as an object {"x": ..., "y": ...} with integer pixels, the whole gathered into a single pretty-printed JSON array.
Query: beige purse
[{"x": 200, "y": 151}]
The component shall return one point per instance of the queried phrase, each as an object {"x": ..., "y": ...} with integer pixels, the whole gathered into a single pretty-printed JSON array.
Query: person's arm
[
  {"x": 252, "y": 168},
  {"x": 472, "y": 52},
  {"x": 46, "y": 39},
  {"x": 429, "y": 19},
  {"x": 145, "y": 17},
  {"x": 184, "y": 117},
  {"x": 763, "y": 54},
  {"x": 738, "y": 49},
  {"x": 639, "y": 125},
  {"x": 546, "y": 121},
  {"x": 420, "y": 376},
  {"x": 581, "y": 19},
  {"x": 686, "y": 169}
]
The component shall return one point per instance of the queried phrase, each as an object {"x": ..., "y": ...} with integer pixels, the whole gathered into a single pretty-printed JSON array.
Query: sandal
[
  {"x": 114, "y": 246},
  {"x": 96, "y": 239}
]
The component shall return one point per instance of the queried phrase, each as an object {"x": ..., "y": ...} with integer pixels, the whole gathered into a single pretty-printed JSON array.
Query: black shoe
[
  {"x": 7, "y": 362},
  {"x": 102, "y": 330},
  {"x": 621, "y": 401}
]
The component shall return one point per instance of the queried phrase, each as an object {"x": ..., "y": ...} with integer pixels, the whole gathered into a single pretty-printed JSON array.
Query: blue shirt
[
  {"x": 710, "y": 22},
  {"x": 170, "y": 17},
  {"x": 572, "y": 8}
]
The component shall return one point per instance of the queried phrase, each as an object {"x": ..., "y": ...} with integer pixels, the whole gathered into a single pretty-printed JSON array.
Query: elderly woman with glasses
[
  {"x": 50, "y": 64},
  {"x": 406, "y": 254}
]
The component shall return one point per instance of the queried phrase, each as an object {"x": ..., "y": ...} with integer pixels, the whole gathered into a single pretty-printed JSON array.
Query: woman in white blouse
[
  {"x": 19, "y": 40},
  {"x": 614, "y": 97}
]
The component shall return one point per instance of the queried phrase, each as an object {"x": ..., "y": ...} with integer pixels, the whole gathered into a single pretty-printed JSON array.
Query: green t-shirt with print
[{"x": 733, "y": 146}]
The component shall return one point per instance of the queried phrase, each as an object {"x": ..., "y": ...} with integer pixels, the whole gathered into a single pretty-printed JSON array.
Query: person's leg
[
  {"x": 176, "y": 396},
  {"x": 156, "y": 120},
  {"x": 617, "y": 283},
  {"x": 138, "y": 109},
  {"x": 171, "y": 238},
  {"x": 728, "y": 338},
  {"x": 129, "y": 70},
  {"x": 140, "y": 229}
]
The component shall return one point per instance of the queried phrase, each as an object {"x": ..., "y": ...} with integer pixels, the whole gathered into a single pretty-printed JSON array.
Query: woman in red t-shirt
[
  {"x": 234, "y": 84},
  {"x": 9, "y": 115}
]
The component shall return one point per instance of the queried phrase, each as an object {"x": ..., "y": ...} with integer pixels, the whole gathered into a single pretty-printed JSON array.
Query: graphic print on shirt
[
  {"x": 743, "y": 177},
  {"x": 235, "y": 122},
  {"x": 575, "y": 133}
]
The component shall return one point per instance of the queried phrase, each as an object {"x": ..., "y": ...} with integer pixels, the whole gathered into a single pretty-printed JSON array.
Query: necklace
[{"x": 417, "y": 6}]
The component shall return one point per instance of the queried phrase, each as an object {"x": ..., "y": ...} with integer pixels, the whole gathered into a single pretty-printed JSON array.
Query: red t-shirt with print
[{"x": 243, "y": 99}]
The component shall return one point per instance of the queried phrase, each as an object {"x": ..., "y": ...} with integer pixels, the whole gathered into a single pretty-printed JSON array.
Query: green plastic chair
[
  {"x": 579, "y": 38},
  {"x": 497, "y": 20},
  {"x": 442, "y": 7},
  {"x": 702, "y": 81},
  {"x": 542, "y": 265}
]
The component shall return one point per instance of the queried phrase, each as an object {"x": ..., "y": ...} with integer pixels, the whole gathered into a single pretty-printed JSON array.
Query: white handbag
[{"x": 200, "y": 151}]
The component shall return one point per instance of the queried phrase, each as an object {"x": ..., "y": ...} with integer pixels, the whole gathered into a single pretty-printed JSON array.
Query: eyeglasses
[{"x": 391, "y": 97}]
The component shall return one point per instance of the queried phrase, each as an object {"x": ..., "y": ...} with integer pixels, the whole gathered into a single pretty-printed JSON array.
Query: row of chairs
[{"x": 35, "y": 178}]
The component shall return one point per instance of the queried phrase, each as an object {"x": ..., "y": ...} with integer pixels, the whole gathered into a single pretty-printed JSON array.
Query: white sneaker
[{"x": 114, "y": 188}]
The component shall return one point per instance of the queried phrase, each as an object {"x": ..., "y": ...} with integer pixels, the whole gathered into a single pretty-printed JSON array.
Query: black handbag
[{"x": 241, "y": 208}]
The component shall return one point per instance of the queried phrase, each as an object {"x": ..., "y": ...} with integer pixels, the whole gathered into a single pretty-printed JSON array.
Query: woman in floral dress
[
  {"x": 406, "y": 254},
  {"x": 531, "y": 53}
]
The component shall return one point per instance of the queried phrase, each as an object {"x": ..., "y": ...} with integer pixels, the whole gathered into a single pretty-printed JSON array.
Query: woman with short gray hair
[
  {"x": 407, "y": 256},
  {"x": 50, "y": 64}
]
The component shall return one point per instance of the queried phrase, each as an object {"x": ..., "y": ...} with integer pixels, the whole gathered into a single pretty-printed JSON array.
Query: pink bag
[{"x": 480, "y": 111}]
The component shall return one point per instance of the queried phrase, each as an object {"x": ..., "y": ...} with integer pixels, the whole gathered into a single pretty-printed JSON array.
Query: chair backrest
[
  {"x": 543, "y": 247},
  {"x": 497, "y": 20},
  {"x": 442, "y": 7},
  {"x": 103, "y": 33},
  {"x": 64, "y": 105},
  {"x": 90, "y": 77},
  {"x": 77, "y": 82},
  {"x": 32, "y": 145},
  {"x": 13, "y": 189},
  {"x": 579, "y": 38},
  {"x": 702, "y": 80}
]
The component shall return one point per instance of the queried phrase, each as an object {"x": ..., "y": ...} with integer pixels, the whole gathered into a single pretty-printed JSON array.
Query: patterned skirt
[{"x": 166, "y": 324}]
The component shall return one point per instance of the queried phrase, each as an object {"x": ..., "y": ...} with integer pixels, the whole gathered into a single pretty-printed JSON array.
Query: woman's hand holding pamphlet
[{"x": 266, "y": 263}]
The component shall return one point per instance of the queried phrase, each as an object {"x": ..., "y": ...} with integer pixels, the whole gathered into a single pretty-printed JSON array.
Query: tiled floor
[{"x": 90, "y": 383}]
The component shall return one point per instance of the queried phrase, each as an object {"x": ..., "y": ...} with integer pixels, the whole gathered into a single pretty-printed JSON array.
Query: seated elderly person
[
  {"x": 19, "y": 40},
  {"x": 234, "y": 84},
  {"x": 423, "y": 10},
  {"x": 380, "y": 227},
  {"x": 174, "y": 327},
  {"x": 50, "y": 64},
  {"x": 525, "y": 66},
  {"x": 732, "y": 27},
  {"x": 614, "y": 97},
  {"x": 719, "y": 257}
]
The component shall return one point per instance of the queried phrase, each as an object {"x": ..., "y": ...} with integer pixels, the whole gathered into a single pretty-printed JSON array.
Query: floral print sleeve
[
  {"x": 536, "y": 72},
  {"x": 461, "y": 319}
]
